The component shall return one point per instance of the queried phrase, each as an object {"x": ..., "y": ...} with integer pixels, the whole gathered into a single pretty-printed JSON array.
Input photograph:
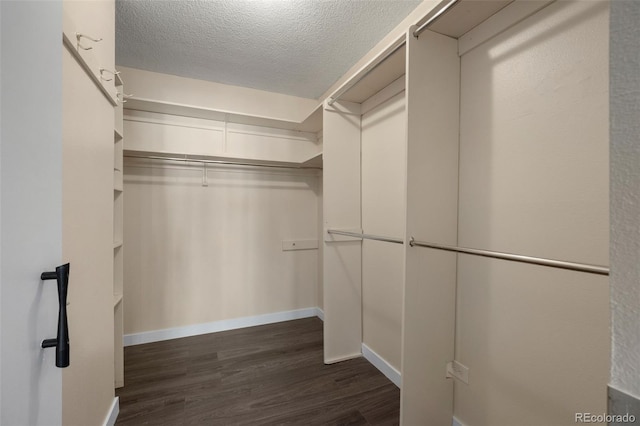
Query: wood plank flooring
[{"x": 267, "y": 375}]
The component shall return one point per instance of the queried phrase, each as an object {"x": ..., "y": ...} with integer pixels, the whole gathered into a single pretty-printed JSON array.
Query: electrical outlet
[{"x": 459, "y": 371}]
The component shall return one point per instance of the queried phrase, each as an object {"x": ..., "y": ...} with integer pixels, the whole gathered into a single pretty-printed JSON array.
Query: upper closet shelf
[
  {"x": 465, "y": 16},
  {"x": 458, "y": 18},
  {"x": 313, "y": 161},
  {"x": 379, "y": 77},
  {"x": 312, "y": 123}
]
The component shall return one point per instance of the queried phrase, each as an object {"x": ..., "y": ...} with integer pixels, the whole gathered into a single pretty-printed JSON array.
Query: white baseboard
[
  {"x": 320, "y": 314},
  {"x": 382, "y": 365},
  {"x": 113, "y": 412},
  {"x": 213, "y": 327},
  {"x": 456, "y": 422}
]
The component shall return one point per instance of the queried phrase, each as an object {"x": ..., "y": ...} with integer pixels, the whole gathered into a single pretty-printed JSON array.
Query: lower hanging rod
[
  {"x": 222, "y": 162},
  {"x": 573, "y": 266},
  {"x": 366, "y": 236}
]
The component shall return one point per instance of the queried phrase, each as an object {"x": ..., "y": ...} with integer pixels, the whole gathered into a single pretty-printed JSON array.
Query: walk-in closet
[
  {"x": 444, "y": 234},
  {"x": 503, "y": 176}
]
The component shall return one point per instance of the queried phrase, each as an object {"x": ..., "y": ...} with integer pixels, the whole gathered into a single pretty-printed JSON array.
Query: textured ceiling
[{"x": 296, "y": 47}]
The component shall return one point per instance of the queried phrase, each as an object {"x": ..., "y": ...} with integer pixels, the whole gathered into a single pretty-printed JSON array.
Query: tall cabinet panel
[
  {"x": 118, "y": 236},
  {"x": 433, "y": 68},
  {"x": 87, "y": 241},
  {"x": 88, "y": 164},
  {"x": 342, "y": 255}
]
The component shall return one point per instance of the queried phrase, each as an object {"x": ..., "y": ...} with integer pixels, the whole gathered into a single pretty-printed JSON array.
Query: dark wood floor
[{"x": 267, "y": 375}]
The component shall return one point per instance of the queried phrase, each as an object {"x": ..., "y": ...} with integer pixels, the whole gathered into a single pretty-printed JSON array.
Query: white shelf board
[
  {"x": 312, "y": 123},
  {"x": 380, "y": 77},
  {"x": 457, "y": 21},
  {"x": 313, "y": 161},
  {"x": 466, "y": 15}
]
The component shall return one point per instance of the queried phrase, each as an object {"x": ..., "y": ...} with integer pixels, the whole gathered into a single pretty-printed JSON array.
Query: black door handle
[{"x": 61, "y": 342}]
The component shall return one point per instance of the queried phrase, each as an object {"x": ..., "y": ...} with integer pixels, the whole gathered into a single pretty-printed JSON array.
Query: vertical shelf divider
[{"x": 118, "y": 211}]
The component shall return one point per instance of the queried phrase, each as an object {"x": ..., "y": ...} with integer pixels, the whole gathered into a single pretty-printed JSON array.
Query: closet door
[{"x": 31, "y": 237}]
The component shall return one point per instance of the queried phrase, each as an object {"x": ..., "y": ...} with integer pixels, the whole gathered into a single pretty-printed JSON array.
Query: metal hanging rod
[
  {"x": 431, "y": 17},
  {"x": 223, "y": 162},
  {"x": 366, "y": 236},
  {"x": 581, "y": 267}
]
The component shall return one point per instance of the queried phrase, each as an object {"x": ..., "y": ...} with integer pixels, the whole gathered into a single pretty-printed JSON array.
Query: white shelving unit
[
  {"x": 265, "y": 126},
  {"x": 118, "y": 198}
]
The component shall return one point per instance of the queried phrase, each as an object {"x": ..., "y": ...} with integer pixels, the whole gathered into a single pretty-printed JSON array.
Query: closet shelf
[
  {"x": 312, "y": 123},
  {"x": 313, "y": 161},
  {"x": 117, "y": 245},
  {"x": 378, "y": 78},
  {"x": 310, "y": 163}
]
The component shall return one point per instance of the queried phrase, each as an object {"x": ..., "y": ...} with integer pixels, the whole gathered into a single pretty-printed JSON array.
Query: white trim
[
  {"x": 112, "y": 416},
  {"x": 320, "y": 314},
  {"x": 213, "y": 327},
  {"x": 456, "y": 422},
  {"x": 381, "y": 364}
]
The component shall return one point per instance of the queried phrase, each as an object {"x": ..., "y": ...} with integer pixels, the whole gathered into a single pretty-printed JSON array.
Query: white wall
[
  {"x": 534, "y": 181},
  {"x": 198, "y": 254},
  {"x": 625, "y": 197},
  {"x": 383, "y": 213}
]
